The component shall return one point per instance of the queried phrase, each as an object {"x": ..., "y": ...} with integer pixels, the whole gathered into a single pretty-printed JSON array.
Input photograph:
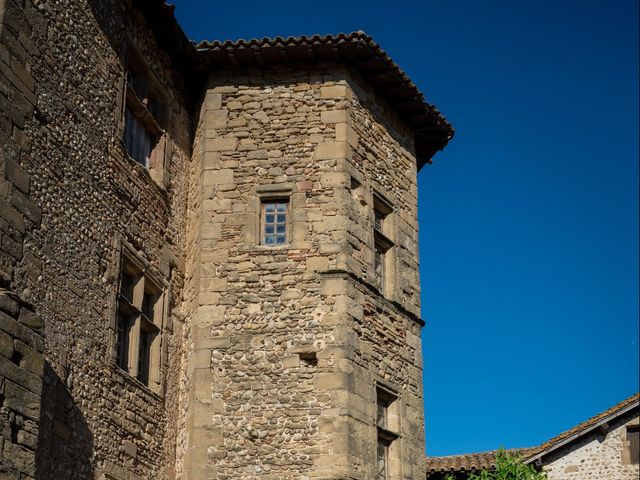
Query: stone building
[
  {"x": 208, "y": 253},
  {"x": 605, "y": 447}
]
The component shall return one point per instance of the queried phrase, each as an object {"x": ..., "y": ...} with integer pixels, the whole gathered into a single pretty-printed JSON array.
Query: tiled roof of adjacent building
[
  {"x": 358, "y": 51},
  {"x": 473, "y": 462},
  {"x": 594, "y": 422},
  {"x": 466, "y": 463}
]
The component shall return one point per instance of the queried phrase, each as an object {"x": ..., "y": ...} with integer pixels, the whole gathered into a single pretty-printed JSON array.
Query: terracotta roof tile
[
  {"x": 578, "y": 430},
  {"x": 473, "y": 462},
  {"x": 466, "y": 463},
  {"x": 358, "y": 51}
]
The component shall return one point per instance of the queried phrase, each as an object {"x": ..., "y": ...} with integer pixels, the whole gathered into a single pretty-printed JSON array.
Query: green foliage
[{"x": 506, "y": 467}]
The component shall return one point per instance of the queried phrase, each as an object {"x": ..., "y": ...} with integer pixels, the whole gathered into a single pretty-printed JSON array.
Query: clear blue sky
[{"x": 529, "y": 219}]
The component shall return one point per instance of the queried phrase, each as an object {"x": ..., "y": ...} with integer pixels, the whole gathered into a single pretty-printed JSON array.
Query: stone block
[
  {"x": 345, "y": 133},
  {"x": 212, "y": 343},
  {"x": 12, "y": 216},
  {"x": 291, "y": 361},
  {"x": 213, "y": 101},
  {"x": 332, "y": 151},
  {"x": 6, "y": 345},
  {"x": 19, "y": 331},
  {"x": 225, "y": 144},
  {"x": 30, "y": 319},
  {"x": 335, "y": 116},
  {"x": 9, "y": 305},
  {"x": 315, "y": 264},
  {"x": 210, "y": 160},
  {"x": 216, "y": 118},
  {"x": 21, "y": 458},
  {"x": 31, "y": 360},
  {"x": 334, "y": 179},
  {"x": 213, "y": 284},
  {"x": 217, "y": 177},
  {"x": 23, "y": 204},
  {"x": 333, "y": 381},
  {"x": 336, "y": 91},
  {"x": 212, "y": 435},
  {"x": 20, "y": 399},
  {"x": 202, "y": 359},
  {"x": 129, "y": 448},
  {"x": 210, "y": 315},
  {"x": 210, "y": 231},
  {"x": 16, "y": 175}
]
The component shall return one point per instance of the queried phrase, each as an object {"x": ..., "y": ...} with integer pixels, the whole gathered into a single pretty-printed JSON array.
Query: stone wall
[
  {"x": 596, "y": 456},
  {"x": 271, "y": 357},
  {"x": 72, "y": 199},
  {"x": 21, "y": 370},
  {"x": 282, "y": 373}
]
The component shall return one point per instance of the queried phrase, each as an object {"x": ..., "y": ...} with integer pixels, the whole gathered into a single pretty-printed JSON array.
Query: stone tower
[
  {"x": 302, "y": 275},
  {"x": 208, "y": 253}
]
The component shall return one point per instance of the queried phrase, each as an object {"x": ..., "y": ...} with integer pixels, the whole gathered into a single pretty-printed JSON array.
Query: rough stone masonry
[{"x": 208, "y": 253}]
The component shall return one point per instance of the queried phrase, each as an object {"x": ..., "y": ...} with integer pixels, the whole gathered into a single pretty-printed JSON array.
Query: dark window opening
[
  {"x": 147, "y": 334},
  {"x": 127, "y": 285},
  {"x": 633, "y": 436},
  {"x": 148, "y": 304},
  {"x": 122, "y": 346},
  {"x": 382, "y": 459}
]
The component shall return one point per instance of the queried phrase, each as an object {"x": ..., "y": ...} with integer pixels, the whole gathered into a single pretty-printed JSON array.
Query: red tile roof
[
  {"x": 573, "y": 433},
  {"x": 473, "y": 462},
  {"x": 467, "y": 463},
  {"x": 358, "y": 51}
]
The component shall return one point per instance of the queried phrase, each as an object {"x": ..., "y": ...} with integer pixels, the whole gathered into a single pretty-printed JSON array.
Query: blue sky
[{"x": 529, "y": 219}]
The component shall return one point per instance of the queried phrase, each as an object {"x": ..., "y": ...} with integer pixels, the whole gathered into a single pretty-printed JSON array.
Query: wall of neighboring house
[
  {"x": 71, "y": 200},
  {"x": 596, "y": 456}
]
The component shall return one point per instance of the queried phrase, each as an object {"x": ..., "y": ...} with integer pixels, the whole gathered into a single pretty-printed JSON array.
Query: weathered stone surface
[{"x": 268, "y": 358}]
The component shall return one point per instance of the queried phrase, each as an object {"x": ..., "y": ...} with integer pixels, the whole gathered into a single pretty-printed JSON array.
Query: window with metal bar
[{"x": 274, "y": 222}]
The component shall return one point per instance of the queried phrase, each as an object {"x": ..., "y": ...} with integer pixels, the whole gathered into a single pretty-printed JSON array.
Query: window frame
[
  {"x": 635, "y": 429},
  {"x": 382, "y": 243},
  {"x": 264, "y": 201},
  {"x": 138, "y": 351},
  {"x": 145, "y": 110},
  {"x": 386, "y": 431}
]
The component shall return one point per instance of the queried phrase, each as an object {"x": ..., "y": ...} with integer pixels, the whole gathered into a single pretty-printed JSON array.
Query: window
[
  {"x": 382, "y": 243},
  {"x": 633, "y": 437},
  {"x": 144, "y": 113},
  {"x": 138, "y": 325},
  {"x": 382, "y": 459},
  {"x": 386, "y": 434},
  {"x": 274, "y": 222}
]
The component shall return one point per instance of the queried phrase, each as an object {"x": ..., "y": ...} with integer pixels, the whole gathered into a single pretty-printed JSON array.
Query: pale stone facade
[{"x": 178, "y": 344}]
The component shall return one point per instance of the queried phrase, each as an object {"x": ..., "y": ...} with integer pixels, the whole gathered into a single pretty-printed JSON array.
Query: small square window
[{"x": 274, "y": 222}]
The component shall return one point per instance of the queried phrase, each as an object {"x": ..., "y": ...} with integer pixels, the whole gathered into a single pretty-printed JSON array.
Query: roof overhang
[
  {"x": 357, "y": 51},
  {"x": 581, "y": 432}
]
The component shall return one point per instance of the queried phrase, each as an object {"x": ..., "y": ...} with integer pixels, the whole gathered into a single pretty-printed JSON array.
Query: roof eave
[
  {"x": 581, "y": 433},
  {"x": 359, "y": 52}
]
